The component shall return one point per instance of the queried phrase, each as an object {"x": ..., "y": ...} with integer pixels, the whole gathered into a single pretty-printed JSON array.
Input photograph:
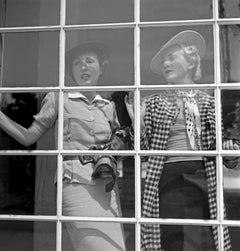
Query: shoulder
[{"x": 206, "y": 97}]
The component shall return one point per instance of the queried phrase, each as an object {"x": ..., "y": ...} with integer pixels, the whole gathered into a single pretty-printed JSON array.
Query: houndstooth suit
[{"x": 160, "y": 111}]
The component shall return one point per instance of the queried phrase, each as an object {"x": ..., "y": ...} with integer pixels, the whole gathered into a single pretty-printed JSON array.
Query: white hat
[{"x": 188, "y": 38}]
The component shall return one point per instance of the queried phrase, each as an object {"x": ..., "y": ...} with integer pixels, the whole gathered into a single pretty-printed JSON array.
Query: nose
[
  {"x": 83, "y": 65},
  {"x": 166, "y": 62}
]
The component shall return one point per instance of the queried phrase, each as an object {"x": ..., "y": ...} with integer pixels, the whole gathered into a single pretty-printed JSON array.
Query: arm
[{"x": 25, "y": 136}]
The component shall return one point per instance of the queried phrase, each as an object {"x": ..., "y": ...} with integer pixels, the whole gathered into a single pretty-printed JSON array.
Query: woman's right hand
[{"x": 129, "y": 102}]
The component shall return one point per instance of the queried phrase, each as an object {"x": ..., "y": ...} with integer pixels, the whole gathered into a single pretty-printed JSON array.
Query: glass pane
[
  {"x": 153, "y": 10},
  {"x": 29, "y": 12},
  {"x": 95, "y": 11},
  {"x": 230, "y": 53},
  {"x": 164, "y": 114},
  {"x": 24, "y": 109},
  {"x": 27, "y": 236},
  {"x": 44, "y": 236},
  {"x": 152, "y": 39},
  {"x": 27, "y": 185},
  {"x": 234, "y": 234},
  {"x": 181, "y": 237},
  {"x": 117, "y": 54},
  {"x": 231, "y": 114},
  {"x": 229, "y": 8},
  {"x": 107, "y": 236},
  {"x": 181, "y": 183},
  {"x": 33, "y": 65},
  {"x": 232, "y": 190},
  {"x": 96, "y": 121},
  {"x": 94, "y": 186}
]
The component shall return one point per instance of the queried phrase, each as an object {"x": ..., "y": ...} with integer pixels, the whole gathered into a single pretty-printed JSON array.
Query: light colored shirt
[{"x": 84, "y": 124}]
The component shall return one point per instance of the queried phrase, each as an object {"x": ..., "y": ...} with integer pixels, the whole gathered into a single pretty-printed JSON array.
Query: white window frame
[{"x": 215, "y": 22}]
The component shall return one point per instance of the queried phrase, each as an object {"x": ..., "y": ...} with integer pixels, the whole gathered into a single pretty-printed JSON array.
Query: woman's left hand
[{"x": 230, "y": 145}]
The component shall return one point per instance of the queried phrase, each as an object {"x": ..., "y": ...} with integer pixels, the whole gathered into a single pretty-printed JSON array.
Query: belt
[{"x": 83, "y": 159}]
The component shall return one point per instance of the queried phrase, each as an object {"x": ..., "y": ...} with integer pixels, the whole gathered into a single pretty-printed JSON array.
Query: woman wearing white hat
[
  {"x": 180, "y": 186},
  {"x": 89, "y": 120}
]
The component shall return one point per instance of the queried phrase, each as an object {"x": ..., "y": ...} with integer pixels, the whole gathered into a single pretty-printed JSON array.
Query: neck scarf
[{"x": 192, "y": 117}]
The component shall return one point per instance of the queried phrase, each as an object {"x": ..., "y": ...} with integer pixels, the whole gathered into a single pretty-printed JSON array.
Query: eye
[{"x": 90, "y": 60}]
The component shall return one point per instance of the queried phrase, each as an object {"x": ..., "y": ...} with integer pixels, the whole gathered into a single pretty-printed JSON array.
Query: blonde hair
[{"x": 191, "y": 53}]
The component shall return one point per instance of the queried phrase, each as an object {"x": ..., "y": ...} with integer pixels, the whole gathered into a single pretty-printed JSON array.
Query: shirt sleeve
[{"x": 49, "y": 110}]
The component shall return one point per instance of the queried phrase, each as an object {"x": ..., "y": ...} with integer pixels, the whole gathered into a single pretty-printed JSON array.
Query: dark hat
[
  {"x": 188, "y": 38},
  {"x": 102, "y": 50}
]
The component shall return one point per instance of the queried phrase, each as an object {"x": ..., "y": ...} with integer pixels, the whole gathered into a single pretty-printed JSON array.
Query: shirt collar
[{"x": 97, "y": 98}]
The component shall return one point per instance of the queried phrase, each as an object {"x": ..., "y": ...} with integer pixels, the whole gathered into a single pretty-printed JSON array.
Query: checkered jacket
[{"x": 160, "y": 111}]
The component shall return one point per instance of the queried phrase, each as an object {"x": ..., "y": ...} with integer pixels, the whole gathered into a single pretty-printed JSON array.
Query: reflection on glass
[
  {"x": 107, "y": 236},
  {"x": 234, "y": 233},
  {"x": 231, "y": 185},
  {"x": 229, "y": 41},
  {"x": 182, "y": 186},
  {"x": 95, "y": 11},
  {"x": 97, "y": 188},
  {"x": 28, "y": 109},
  {"x": 27, "y": 186},
  {"x": 33, "y": 65},
  {"x": 152, "y": 39},
  {"x": 152, "y": 10},
  {"x": 168, "y": 111},
  {"x": 27, "y": 236},
  {"x": 183, "y": 237},
  {"x": 229, "y": 9},
  {"x": 231, "y": 114},
  {"x": 115, "y": 56},
  {"x": 29, "y": 13}
]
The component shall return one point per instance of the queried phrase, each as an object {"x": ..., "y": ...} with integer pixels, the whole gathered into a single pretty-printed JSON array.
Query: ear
[{"x": 104, "y": 66}]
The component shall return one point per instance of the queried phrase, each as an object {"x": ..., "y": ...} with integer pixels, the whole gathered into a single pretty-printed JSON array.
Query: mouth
[
  {"x": 167, "y": 71},
  {"x": 85, "y": 76}
]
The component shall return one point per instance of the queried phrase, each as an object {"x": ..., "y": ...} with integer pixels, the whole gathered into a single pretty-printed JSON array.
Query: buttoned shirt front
[{"x": 84, "y": 124}]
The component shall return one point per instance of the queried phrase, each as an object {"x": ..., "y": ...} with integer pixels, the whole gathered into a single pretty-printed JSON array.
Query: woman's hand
[
  {"x": 230, "y": 145},
  {"x": 129, "y": 102}
]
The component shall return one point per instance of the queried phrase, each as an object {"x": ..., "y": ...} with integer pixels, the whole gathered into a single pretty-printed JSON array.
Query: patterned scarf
[{"x": 192, "y": 116}]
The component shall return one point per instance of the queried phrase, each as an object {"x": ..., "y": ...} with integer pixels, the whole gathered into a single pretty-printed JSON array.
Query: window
[{"x": 35, "y": 37}]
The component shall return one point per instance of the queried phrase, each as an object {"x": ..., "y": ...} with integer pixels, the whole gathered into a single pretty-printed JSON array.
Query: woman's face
[
  {"x": 86, "y": 69},
  {"x": 176, "y": 68}
]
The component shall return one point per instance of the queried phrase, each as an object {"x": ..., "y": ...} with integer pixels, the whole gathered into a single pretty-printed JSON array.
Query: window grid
[{"x": 137, "y": 153}]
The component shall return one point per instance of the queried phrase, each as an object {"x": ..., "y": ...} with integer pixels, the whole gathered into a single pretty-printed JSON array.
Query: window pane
[
  {"x": 120, "y": 54},
  {"x": 231, "y": 114},
  {"x": 232, "y": 191},
  {"x": 44, "y": 236},
  {"x": 27, "y": 185},
  {"x": 234, "y": 233},
  {"x": 182, "y": 186},
  {"x": 24, "y": 108},
  {"x": 107, "y": 236},
  {"x": 106, "y": 188},
  {"x": 229, "y": 9},
  {"x": 20, "y": 235},
  {"x": 230, "y": 53},
  {"x": 33, "y": 65},
  {"x": 95, "y": 11},
  {"x": 29, "y": 12},
  {"x": 165, "y": 114},
  {"x": 152, "y": 39},
  {"x": 183, "y": 237},
  {"x": 153, "y": 10}
]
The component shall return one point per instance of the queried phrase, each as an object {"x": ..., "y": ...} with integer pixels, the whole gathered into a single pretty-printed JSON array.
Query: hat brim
[
  {"x": 187, "y": 38},
  {"x": 102, "y": 50}
]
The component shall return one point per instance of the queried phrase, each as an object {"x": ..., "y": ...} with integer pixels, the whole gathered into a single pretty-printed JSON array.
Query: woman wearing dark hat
[
  {"x": 180, "y": 186},
  {"x": 89, "y": 120}
]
